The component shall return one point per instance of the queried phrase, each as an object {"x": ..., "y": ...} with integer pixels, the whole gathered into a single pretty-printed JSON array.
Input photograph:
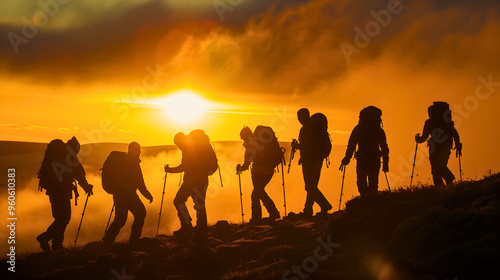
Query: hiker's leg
[
  {"x": 446, "y": 172},
  {"x": 180, "y": 199},
  {"x": 61, "y": 211},
  {"x": 317, "y": 195},
  {"x": 139, "y": 211},
  {"x": 362, "y": 173},
  {"x": 121, "y": 212},
  {"x": 373, "y": 174},
  {"x": 436, "y": 168},
  {"x": 306, "y": 172},
  {"x": 266, "y": 200},
  {"x": 199, "y": 196}
]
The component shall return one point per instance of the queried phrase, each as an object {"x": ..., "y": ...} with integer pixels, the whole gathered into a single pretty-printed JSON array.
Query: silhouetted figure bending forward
[{"x": 126, "y": 199}]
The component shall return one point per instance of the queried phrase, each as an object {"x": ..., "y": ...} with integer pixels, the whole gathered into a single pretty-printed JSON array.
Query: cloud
[{"x": 280, "y": 48}]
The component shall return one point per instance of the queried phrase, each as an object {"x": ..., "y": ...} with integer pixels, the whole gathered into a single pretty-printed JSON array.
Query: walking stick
[
  {"x": 241, "y": 197},
  {"x": 81, "y": 220},
  {"x": 161, "y": 204},
  {"x": 460, "y": 164},
  {"x": 292, "y": 154},
  {"x": 283, "y": 177},
  {"x": 342, "y": 167},
  {"x": 109, "y": 219},
  {"x": 387, "y": 181},
  {"x": 220, "y": 177},
  {"x": 413, "y": 168}
]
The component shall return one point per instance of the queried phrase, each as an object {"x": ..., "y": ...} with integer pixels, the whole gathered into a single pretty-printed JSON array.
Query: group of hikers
[{"x": 122, "y": 175}]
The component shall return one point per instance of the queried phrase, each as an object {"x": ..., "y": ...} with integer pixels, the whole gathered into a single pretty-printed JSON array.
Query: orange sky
[{"x": 93, "y": 70}]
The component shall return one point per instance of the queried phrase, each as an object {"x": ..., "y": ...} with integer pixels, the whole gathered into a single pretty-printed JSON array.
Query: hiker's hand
[
  {"x": 458, "y": 147},
  {"x": 295, "y": 144},
  {"x": 385, "y": 167},
  {"x": 88, "y": 189},
  {"x": 342, "y": 167},
  {"x": 150, "y": 200},
  {"x": 167, "y": 168},
  {"x": 417, "y": 137},
  {"x": 239, "y": 169},
  {"x": 346, "y": 161}
]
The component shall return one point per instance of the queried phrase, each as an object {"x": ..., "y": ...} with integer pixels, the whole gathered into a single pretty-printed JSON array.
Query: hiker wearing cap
[
  {"x": 129, "y": 179},
  {"x": 314, "y": 145}
]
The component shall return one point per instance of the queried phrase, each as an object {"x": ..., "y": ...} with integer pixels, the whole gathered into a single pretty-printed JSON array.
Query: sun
[{"x": 185, "y": 106}]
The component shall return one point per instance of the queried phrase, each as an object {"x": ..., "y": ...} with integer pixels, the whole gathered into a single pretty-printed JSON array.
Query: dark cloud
[{"x": 261, "y": 46}]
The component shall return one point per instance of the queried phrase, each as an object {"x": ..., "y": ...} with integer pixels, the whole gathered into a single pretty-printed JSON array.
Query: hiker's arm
[
  {"x": 177, "y": 169},
  {"x": 458, "y": 144},
  {"x": 79, "y": 175},
  {"x": 249, "y": 155},
  {"x": 141, "y": 185},
  {"x": 385, "y": 151},
  {"x": 425, "y": 133},
  {"x": 351, "y": 146}
]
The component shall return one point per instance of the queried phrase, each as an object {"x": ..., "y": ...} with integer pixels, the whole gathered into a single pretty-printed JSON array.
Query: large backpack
[
  {"x": 116, "y": 171},
  {"x": 54, "y": 154},
  {"x": 268, "y": 150},
  {"x": 318, "y": 128},
  {"x": 440, "y": 113},
  {"x": 203, "y": 151}
]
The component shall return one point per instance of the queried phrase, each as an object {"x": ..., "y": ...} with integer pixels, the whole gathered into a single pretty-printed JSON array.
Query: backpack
[
  {"x": 55, "y": 153},
  {"x": 269, "y": 152},
  {"x": 203, "y": 151},
  {"x": 318, "y": 128},
  {"x": 115, "y": 171},
  {"x": 440, "y": 113}
]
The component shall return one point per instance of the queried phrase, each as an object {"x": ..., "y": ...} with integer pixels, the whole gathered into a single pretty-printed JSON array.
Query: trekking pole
[
  {"x": 344, "y": 167},
  {"x": 283, "y": 178},
  {"x": 413, "y": 168},
  {"x": 292, "y": 154},
  {"x": 81, "y": 220},
  {"x": 109, "y": 219},
  {"x": 460, "y": 164},
  {"x": 241, "y": 197},
  {"x": 220, "y": 177},
  {"x": 387, "y": 181},
  {"x": 161, "y": 204}
]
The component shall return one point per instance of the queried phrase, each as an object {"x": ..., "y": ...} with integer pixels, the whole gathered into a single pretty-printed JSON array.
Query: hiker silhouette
[
  {"x": 442, "y": 132},
  {"x": 370, "y": 138},
  {"x": 263, "y": 151},
  {"x": 198, "y": 162},
  {"x": 311, "y": 142},
  {"x": 60, "y": 168},
  {"x": 126, "y": 179}
]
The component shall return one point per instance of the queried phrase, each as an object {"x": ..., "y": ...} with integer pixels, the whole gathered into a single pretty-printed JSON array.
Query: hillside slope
[{"x": 423, "y": 233}]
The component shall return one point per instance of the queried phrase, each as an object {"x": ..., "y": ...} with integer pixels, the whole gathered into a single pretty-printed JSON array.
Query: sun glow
[{"x": 185, "y": 106}]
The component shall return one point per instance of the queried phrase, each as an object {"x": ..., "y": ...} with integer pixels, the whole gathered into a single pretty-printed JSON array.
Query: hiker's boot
[
  {"x": 187, "y": 229},
  {"x": 57, "y": 247},
  {"x": 44, "y": 243},
  {"x": 273, "y": 217}
]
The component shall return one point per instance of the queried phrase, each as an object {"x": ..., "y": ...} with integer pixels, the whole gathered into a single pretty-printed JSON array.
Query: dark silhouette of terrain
[{"x": 422, "y": 233}]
